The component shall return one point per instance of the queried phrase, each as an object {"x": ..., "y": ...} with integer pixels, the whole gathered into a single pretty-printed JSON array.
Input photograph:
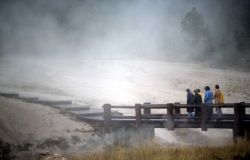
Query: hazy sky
[{"x": 112, "y": 28}]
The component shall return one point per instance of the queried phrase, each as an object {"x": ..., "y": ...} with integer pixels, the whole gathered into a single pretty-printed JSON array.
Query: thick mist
[
  {"x": 121, "y": 52},
  {"x": 122, "y": 29},
  {"x": 91, "y": 28}
]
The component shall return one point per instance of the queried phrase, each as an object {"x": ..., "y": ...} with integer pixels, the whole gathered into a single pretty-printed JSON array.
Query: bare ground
[
  {"x": 38, "y": 127},
  {"x": 103, "y": 81}
]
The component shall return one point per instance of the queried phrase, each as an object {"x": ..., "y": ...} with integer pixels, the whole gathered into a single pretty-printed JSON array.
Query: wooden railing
[{"x": 173, "y": 112}]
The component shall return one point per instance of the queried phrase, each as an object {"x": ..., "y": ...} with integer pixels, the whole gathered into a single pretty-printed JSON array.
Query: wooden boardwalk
[
  {"x": 108, "y": 120},
  {"x": 78, "y": 110},
  {"x": 172, "y": 118}
]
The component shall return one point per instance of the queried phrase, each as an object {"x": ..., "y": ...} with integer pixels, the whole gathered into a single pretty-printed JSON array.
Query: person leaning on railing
[
  {"x": 208, "y": 100},
  {"x": 197, "y": 101},
  {"x": 218, "y": 99},
  {"x": 190, "y": 98}
]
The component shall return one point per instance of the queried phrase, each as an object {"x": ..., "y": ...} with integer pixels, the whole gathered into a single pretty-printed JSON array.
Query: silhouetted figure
[
  {"x": 190, "y": 97},
  {"x": 197, "y": 101}
]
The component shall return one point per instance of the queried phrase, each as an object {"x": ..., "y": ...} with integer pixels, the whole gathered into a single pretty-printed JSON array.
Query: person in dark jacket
[
  {"x": 190, "y": 97},
  {"x": 197, "y": 101}
]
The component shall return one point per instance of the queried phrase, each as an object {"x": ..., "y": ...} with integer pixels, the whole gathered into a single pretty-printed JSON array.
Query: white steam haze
[
  {"x": 59, "y": 45},
  {"x": 125, "y": 52},
  {"x": 115, "y": 29},
  {"x": 111, "y": 28}
]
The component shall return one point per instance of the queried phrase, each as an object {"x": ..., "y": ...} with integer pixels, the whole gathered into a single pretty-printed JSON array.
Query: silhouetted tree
[{"x": 193, "y": 24}]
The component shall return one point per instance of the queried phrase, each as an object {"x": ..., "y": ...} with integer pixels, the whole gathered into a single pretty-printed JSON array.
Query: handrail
[
  {"x": 155, "y": 106},
  {"x": 164, "y": 106},
  {"x": 173, "y": 114},
  {"x": 125, "y": 107}
]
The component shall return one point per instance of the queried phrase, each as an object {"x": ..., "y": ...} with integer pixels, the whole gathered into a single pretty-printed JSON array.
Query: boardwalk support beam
[
  {"x": 239, "y": 129},
  {"x": 107, "y": 118},
  {"x": 138, "y": 114},
  {"x": 170, "y": 115},
  {"x": 204, "y": 117}
]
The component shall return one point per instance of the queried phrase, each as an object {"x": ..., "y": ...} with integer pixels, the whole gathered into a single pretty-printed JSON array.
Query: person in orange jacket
[{"x": 218, "y": 99}]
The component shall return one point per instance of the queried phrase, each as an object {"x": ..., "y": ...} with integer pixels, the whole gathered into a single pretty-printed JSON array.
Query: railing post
[
  {"x": 147, "y": 110},
  {"x": 138, "y": 114},
  {"x": 170, "y": 114},
  {"x": 177, "y": 110},
  {"x": 107, "y": 118},
  {"x": 236, "y": 129},
  {"x": 242, "y": 114},
  {"x": 246, "y": 128},
  {"x": 239, "y": 129},
  {"x": 204, "y": 116}
]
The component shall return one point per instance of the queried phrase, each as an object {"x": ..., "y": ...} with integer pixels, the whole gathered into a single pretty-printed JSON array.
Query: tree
[{"x": 193, "y": 24}]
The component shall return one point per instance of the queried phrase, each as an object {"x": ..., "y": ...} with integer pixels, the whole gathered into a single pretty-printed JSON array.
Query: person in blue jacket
[{"x": 208, "y": 99}]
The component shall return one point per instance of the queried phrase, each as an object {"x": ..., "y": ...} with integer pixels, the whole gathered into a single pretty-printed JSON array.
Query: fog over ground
[
  {"x": 126, "y": 29},
  {"x": 126, "y": 52},
  {"x": 60, "y": 45}
]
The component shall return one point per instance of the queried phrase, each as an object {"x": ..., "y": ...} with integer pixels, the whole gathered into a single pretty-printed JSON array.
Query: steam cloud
[
  {"x": 118, "y": 29},
  {"x": 122, "y": 29}
]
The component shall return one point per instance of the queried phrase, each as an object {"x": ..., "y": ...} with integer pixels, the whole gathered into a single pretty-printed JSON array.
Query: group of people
[{"x": 195, "y": 98}]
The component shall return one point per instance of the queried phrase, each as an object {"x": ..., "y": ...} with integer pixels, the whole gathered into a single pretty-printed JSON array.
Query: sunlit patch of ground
[
  {"x": 119, "y": 82},
  {"x": 96, "y": 82}
]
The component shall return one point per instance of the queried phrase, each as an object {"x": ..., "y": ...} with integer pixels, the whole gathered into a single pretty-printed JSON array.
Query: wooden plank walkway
[
  {"x": 51, "y": 102},
  {"x": 72, "y": 107},
  {"x": 239, "y": 121},
  {"x": 78, "y": 110},
  {"x": 9, "y": 95},
  {"x": 170, "y": 117}
]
